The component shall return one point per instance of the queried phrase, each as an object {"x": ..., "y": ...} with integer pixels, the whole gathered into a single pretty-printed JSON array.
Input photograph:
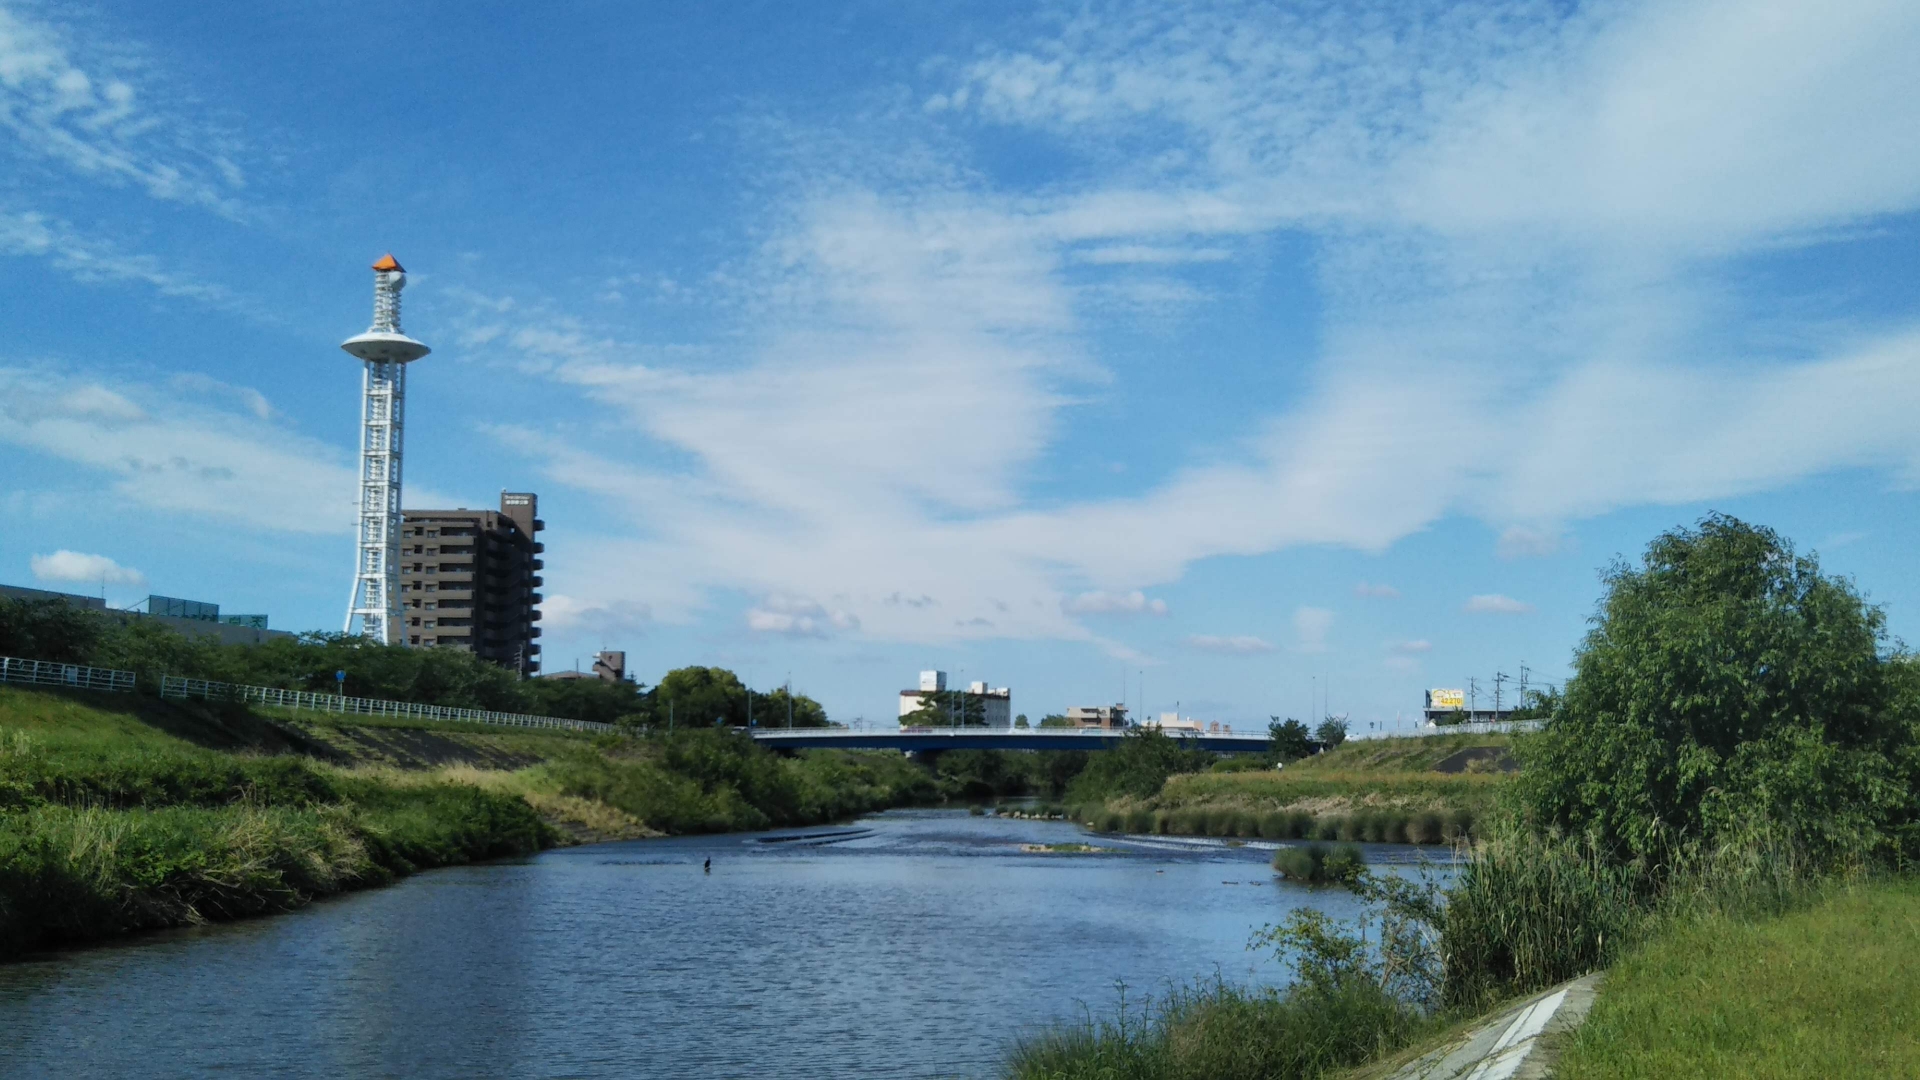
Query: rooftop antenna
[{"x": 386, "y": 351}]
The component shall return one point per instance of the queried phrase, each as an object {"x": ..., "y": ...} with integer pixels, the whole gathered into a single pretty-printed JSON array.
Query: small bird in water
[{"x": 708, "y": 865}]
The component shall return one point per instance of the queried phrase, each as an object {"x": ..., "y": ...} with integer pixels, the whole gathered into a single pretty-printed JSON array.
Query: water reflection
[{"x": 916, "y": 943}]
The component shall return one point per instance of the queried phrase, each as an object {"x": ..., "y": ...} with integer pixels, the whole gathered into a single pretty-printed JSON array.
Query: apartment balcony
[
  {"x": 535, "y": 632},
  {"x": 535, "y": 581},
  {"x": 538, "y": 525},
  {"x": 539, "y": 564},
  {"x": 539, "y": 548},
  {"x": 534, "y": 615}
]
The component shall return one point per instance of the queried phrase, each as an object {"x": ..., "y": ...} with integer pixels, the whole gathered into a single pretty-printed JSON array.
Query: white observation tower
[{"x": 374, "y": 609}]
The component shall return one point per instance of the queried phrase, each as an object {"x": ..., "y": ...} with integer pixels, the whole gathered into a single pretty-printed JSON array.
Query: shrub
[
  {"x": 1140, "y": 820},
  {"x": 1726, "y": 680},
  {"x": 1527, "y": 912},
  {"x": 1424, "y": 828},
  {"x": 1317, "y": 864}
]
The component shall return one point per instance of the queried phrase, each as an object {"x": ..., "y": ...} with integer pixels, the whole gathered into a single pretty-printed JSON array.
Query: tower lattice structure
[{"x": 373, "y": 611}]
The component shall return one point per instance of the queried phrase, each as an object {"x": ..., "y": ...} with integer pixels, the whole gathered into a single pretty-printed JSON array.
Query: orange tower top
[{"x": 388, "y": 262}]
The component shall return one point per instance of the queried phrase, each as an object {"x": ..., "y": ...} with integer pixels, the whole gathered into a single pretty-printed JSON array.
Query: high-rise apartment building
[{"x": 470, "y": 579}]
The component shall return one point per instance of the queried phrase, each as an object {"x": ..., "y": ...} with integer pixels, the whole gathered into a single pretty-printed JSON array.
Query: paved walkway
[{"x": 1516, "y": 1045}]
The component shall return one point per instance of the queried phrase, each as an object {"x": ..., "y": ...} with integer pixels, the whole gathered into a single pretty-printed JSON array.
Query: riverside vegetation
[
  {"x": 1396, "y": 791},
  {"x": 123, "y": 812},
  {"x": 1725, "y": 802}
]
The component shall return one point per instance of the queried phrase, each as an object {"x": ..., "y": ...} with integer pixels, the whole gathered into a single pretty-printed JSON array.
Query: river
[{"x": 914, "y": 943}]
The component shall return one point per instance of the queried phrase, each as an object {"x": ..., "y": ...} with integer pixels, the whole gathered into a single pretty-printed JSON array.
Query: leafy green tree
[
  {"x": 1538, "y": 705},
  {"x": 1056, "y": 720},
  {"x": 1288, "y": 740},
  {"x": 51, "y": 630},
  {"x": 1331, "y": 732},
  {"x": 1726, "y": 684},
  {"x": 1021, "y": 721},
  {"x": 947, "y": 708},
  {"x": 1138, "y": 766},
  {"x": 700, "y": 696}
]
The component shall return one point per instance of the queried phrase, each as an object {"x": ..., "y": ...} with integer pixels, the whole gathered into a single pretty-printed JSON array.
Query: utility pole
[
  {"x": 1473, "y": 696},
  {"x": 1499, "y": 679},
  {"x": 1524, "y": 672}
]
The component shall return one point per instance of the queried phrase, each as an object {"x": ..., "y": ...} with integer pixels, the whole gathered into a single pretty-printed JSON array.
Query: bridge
[{"x": 932, "y": 740}]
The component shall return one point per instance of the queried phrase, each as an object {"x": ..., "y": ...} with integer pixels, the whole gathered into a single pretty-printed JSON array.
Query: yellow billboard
[{"x": 1446, "y": 699}]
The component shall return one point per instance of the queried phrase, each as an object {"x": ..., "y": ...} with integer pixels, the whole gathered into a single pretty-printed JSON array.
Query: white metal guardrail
[
  {"x": 1483, "y": 727},
  {"x": 78, "y": 676},
  {"x": 173, "y": 686}
]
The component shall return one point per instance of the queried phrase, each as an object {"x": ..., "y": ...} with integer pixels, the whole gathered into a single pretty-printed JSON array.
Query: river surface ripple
[{"x": 913, "y": 943}]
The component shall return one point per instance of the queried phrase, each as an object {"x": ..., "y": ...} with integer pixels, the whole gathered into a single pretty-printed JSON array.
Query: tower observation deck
[{"x": 373, "y": 611}]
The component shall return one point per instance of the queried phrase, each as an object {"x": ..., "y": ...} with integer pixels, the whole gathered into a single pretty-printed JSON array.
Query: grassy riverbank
[
  {"x": 1419, "y": 790},
  {"x": 1824, "y": 991},
  {"x": 122, "y": 812}
]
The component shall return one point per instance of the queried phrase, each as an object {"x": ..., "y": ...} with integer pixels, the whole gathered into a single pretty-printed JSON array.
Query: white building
[
  {"x": 1098, "y": 716},
  {"x": 995, "y": 704}
]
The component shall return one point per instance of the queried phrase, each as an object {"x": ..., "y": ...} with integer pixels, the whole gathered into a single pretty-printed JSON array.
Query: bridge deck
[{"x": 936, "y": 739}]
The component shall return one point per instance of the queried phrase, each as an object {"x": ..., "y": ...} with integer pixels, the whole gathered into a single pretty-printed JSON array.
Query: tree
[
  {"x": 700, "y": 696},
  {"x": 1056, "y": 720},
  {"x": 1727, "y": 684},
  {"x": 1288, "y": 740},
  {"x": 1537, "y": 705},
  {"x": 1021, "y": 721},
  {"x": 1331, "y": 732},
  {"x": 947, "y": 708},
  {"x": 1138, "y": 766}
]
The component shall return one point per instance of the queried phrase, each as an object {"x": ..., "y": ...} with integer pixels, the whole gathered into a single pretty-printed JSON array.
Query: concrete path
[{"x": 1519, "y": 1044}]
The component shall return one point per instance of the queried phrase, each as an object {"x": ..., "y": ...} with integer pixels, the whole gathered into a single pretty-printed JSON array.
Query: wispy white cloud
[
  {"x": 563, "y": 613},
  {"x": 1101, "y": 602},
  {"x": 1236, "y": 645},
  {"x": 1522, "y": 542},
  {"x": 1557, "y": 329},
  {"x": 1417, "y": 645},
  {"x": 1376, "y": 590},
  {"x": 1496, "y": 604},
  {"x": 92, "y": 260},
  {"x": 87, "y": 114},
  {"x": 1310, "y": 628},
  {"x": 156, "y": 449},
  {"x": 80, "y": 568},
  {"x": 794, "y": 617}
]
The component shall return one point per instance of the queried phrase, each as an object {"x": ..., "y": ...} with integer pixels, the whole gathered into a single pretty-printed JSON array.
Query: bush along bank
[
  {"x": 1384, "y": 826},
  {"x": 95, "y": 848},
  {"x": 1738, "y": 742}
]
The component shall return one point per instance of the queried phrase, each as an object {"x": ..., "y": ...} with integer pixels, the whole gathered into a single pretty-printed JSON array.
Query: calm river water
[{"x": 909, "y": 944}]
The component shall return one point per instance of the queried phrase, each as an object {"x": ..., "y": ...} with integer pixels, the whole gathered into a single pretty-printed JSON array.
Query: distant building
[
  {"x": 1174, "y": 724},
  {"x": 608, "y": 666},
  {"x": 1110, "y": 717},
  {"x": 994, "y": 704},
  {"x": 469, "y": 580},
  {"x": 190, "y": 617}
]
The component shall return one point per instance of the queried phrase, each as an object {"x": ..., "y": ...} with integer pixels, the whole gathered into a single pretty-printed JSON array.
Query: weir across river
[{"x": 935, "y": 739}]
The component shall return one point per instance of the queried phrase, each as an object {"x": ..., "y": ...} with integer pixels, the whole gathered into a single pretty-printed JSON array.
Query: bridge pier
[{"x": 924, "y": 757}]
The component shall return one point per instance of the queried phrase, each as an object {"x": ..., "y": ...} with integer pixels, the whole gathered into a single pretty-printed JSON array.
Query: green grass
[
  {"x": 1221, "y": 1032},
  {"x": 1825, "y": 991}
]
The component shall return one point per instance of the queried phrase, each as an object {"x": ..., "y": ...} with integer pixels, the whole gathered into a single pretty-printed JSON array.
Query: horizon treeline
[{"x": 59, "y": 632}]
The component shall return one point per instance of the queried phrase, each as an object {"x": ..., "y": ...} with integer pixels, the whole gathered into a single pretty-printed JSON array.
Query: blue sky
[{"x": 1215, "y": 354}]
